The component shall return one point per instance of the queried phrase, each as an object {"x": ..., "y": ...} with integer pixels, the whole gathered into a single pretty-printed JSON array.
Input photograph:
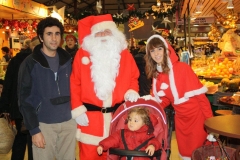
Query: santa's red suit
[
  {"x": 182, "y": 89},
  {"x": 85, "y": 94}
]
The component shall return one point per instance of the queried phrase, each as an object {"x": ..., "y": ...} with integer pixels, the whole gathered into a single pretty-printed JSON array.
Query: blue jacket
[{"x": 41, "y": 96}]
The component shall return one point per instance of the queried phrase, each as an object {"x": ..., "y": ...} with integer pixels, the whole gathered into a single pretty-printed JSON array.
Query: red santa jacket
[
  {"x": 82, "y": 87},
  {"x": 82, "y": 91}
]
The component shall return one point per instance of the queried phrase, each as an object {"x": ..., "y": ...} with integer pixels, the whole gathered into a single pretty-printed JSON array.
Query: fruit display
[
  {"x": 215, "y": 68},
  {"x": 206, "y": 83},
  {"x": 233, "y": 100},
  {"x": 230, "y": 84},
  {"x": 3, "y": 66},
  {"x": 225, "y": 81},
  {"x": 236, "y": 67}
]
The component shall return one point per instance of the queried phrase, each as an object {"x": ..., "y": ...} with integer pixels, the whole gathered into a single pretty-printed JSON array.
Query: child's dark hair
[
  {"x": 49, "y": 22},
  {"x": 143, "y": 112}
]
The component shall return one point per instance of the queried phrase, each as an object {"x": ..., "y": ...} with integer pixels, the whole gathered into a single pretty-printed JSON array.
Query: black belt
[{"x": 91, "y": 107}]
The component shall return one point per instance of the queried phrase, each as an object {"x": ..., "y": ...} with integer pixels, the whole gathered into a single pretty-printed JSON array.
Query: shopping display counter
[{"x": 3, "y": 67}]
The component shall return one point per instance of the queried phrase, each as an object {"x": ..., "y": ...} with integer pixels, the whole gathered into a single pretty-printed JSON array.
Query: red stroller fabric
[{"x": 156, "y": 113}]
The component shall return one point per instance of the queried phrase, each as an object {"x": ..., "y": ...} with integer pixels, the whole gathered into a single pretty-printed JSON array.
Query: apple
[{"x": 230, "y": 70}]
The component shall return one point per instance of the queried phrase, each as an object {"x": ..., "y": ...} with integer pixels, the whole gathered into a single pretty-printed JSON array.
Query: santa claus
[{"x": 104, "y": 74}]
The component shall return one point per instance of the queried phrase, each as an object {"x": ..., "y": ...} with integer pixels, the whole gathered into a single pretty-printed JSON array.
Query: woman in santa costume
[
  {"x": 175, "y": 83},
  {"x": 104, "y": 74}
]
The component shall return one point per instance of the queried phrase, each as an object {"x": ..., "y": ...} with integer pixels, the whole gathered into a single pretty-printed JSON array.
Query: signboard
[
  {"x": 199, "y": 20},
  {"x": 28, "y": 6}
]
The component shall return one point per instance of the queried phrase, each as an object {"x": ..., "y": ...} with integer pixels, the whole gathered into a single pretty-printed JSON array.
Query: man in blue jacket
[{"x": 44, "y": 95}]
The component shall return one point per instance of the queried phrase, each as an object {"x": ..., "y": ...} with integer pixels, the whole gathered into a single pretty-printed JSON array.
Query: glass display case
[{"x": 3, "y": 68}]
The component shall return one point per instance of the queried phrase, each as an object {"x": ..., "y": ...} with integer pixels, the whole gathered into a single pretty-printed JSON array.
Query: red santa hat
[{"x": 94, "y": 24}]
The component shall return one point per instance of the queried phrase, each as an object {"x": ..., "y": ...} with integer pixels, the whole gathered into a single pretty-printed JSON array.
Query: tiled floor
[{"x": 174, "y": 151}]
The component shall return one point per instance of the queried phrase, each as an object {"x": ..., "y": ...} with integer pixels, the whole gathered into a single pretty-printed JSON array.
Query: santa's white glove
[
  {"x": 131, "y": 96},
  {"x": 148, "y": 97},
  {"x": 82, "y": 120},
  {"x": 211, "y": 138}
]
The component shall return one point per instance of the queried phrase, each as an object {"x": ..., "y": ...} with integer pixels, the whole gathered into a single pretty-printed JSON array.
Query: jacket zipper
[
  {"x": 54, "y": 75},
  {"x": 38, "y": 106},
  {"x": 58, "y": 85}
]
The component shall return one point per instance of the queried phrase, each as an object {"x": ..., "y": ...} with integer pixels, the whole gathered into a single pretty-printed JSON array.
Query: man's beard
[{"x": 105, "y": 57}]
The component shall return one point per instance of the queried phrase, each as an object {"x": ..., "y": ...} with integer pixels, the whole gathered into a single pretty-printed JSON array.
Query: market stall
[{"x": 18, "y": 21}]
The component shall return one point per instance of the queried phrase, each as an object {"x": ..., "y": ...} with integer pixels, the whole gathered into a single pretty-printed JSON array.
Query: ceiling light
[
  {"x": 230, "y": 4},
  {"x": 193, "y": 18},
  {"x": 158, "y": 3},
  {"x": 198, "y": 9}
]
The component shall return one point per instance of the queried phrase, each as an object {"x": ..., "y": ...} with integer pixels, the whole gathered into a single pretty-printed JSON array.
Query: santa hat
[{"x": 94, "y": 24}]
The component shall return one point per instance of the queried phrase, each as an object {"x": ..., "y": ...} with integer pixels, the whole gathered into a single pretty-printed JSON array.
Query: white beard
[{"x": 105, "y": 58}]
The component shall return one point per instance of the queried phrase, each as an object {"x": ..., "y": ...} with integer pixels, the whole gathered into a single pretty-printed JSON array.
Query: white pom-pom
[
  {"x": 85, "y": 60},
  {"x": 164, "y": 86},
  {"x": 161, "y": 93}
]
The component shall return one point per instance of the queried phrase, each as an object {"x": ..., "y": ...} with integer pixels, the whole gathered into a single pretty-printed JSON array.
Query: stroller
[{"x": 160, "y": 129}]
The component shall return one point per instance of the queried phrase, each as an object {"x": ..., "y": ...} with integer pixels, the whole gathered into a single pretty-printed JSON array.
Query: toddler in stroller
[{"x": 146, "y": 140}]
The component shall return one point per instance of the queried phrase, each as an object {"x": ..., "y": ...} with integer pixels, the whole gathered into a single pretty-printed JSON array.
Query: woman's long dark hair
[{"x": 151, "y": 65}]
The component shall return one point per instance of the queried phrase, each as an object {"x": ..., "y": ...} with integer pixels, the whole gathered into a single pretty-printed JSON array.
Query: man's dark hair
[
  {"x": 5, "y": 49},
  {"x": 49, "y": 22}
]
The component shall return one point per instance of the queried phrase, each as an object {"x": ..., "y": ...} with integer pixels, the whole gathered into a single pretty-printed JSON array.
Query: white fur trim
[
  {"x": 159, "y": 68},
  {"x": 173, "y": 85},
  {"x": 78, "y": 134},
  {"x": 94, "y": 140},
  {"x": 85, "y": 60},
  {"x": 102, "y": 26},
  {"x": 161, "y": 93},
  {"x": 155, "y": 91},
  {"x": 78, "y": 111},
  {"x": 164, "y": 86},
  {"x": 189, "y": 94}
]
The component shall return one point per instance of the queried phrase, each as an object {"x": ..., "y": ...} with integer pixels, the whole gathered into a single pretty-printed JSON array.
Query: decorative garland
[
  {"x": 18, "y": 25},
  {"x": 120, "y": 18},
  {"x": 161, "y": 14}
]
